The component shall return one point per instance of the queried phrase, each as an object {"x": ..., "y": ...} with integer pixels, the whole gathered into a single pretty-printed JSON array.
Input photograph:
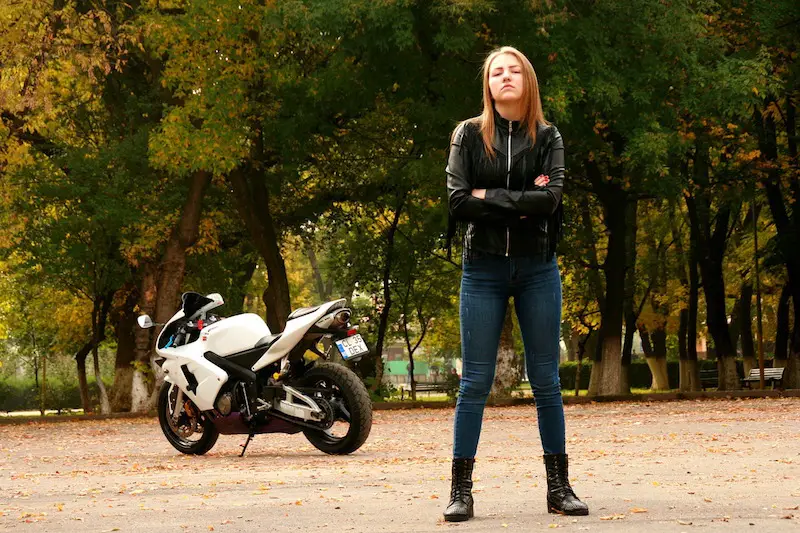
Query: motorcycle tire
[
  {"x": 208, "y": 433},
  {"x": 351, "y": 402}
]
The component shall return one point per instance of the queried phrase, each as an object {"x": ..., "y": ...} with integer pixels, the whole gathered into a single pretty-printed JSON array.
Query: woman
[{"x": 505, "y": 175}]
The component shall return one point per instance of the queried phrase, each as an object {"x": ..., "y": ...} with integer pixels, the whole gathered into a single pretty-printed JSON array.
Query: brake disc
[{"x": 186, "y": 424}]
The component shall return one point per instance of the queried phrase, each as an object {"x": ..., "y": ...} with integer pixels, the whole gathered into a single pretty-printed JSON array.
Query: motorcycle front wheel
[
  {"x": 191, "y": 432},
  {"x": 349, "y": 405}
]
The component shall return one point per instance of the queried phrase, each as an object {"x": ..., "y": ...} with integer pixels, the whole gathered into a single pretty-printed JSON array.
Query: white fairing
[
  {"x": 210, "y": 378},
  {"x": 234, "y": 334},
  {"x": 296, "y": 328}
]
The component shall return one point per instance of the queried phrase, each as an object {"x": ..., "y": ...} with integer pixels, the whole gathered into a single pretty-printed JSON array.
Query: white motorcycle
[{"x": 233, "y": 376}]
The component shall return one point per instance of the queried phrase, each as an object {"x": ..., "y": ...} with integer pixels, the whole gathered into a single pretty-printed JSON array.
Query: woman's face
[{"x": 505, "y": 78}]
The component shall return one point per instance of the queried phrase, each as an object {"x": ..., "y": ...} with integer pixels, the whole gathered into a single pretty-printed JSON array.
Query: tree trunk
[
  {"x": 583, "y": 345},
  {"x": 83, "y": 384},
  {"x": 323, "y": 289},
  {"x": 234, "y": 300},
  {"x": 656, "y": 356},
  {"x": 711, "y": 247},
  {"x": 689, "y": 379},
  {"x": 168, "y": 288},
  {"x": 782, "y": 332},
  {"x": 607, "y": 371},
  {"x": 99, "y": 316},
  {"x": 407, "y": 337},
  {"x": 506, "y": 376},
  {"x": 746, "y": 329},
  {"x": 383, "y": 320},
  {"x": 43, "y": 396},
  {"x": 691, "y": 376},
  {"x": 124, "y": 324},
  {"x": 183, "y": 237},
  {"x": 253, "y": 203},
  {"x": 658, "y": 369},
  {"x": 629, "y": 306},
  {"x": 105, "y": 405},
  {"x": 144, "y": 340},
  {"x": 572, "y": 341},
  {"x": 791, "y": 375},
  {"x": 735, "y": 322},
  {"x": 786, "y": 226},
  {"x": 592, "y": 343}
]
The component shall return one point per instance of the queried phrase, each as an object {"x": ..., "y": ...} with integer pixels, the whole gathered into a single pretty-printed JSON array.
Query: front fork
[{"x": 176, "y": 411}]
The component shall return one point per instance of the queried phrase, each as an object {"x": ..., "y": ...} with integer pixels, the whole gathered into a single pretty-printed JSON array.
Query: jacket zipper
[{"x": 508, "y": 187}]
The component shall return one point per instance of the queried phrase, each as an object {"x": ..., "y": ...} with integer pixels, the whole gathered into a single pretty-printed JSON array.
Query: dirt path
[{"x": 668, "y": 466}]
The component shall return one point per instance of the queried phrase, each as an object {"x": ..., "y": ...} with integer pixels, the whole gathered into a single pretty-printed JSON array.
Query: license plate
[{"x": 352, "y": 347}]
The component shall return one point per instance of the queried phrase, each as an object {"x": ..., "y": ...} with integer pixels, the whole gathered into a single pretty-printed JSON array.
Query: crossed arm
[{"x": 500, "y": 204}]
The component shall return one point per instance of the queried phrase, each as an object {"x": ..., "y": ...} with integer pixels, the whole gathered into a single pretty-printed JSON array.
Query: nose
[{"x": 506, "y": 75}]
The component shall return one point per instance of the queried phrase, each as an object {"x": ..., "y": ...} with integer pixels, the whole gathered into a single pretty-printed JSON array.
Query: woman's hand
[
  {"x": 541, "y": 180},
  {"x": 479, "y": 193}
]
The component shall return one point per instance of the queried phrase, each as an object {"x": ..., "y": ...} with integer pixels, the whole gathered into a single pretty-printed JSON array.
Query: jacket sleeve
[
  {"x": 542, "y": 200},
  {"x": 464, "y": 206}
]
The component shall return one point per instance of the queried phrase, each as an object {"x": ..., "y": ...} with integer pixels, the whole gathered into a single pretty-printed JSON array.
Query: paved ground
[{"x": 717, "y": 465}]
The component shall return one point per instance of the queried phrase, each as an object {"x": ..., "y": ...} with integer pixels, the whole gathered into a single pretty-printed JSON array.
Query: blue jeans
[{"x": 487, "y": 283}]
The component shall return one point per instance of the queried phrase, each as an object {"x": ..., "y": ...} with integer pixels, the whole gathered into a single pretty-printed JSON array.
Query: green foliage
[
  {"x": 23, "y": 395},
  {"x": 638, "y": 373}
]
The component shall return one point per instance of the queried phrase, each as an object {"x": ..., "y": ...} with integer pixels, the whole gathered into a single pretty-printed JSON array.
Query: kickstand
[{"x": 244, "y": 446}]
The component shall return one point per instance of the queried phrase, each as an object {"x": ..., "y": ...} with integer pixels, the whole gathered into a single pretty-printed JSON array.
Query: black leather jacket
[{"x": 495, "y": 225}]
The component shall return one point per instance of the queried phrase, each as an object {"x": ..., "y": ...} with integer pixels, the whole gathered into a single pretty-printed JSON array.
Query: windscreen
[{"x": 192, "y": 302}]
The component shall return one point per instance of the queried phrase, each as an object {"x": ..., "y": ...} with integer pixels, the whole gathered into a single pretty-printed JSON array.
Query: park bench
[
  {"x": 771, "y": 376},
  {"x": 709, "y": 378},
  {"x": 405, "y": 388}
]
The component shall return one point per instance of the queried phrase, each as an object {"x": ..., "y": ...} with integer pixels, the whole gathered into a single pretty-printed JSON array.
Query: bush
[
  {"x": 638, "y": 373},
  {"x": 23, "y": 395},
  {"x": 453, "y": 382}
]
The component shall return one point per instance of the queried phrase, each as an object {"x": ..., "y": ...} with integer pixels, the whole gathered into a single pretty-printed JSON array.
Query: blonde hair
[{"x": 531, "y": 101}]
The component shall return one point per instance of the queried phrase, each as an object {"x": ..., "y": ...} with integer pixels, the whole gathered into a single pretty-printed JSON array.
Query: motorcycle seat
[
  {"x": 302, "y": 312},
  {"x": 267, "y": 341}
]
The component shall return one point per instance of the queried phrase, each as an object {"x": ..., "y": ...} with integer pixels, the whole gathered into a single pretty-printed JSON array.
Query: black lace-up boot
[
  {"x": 460, "y": 506},
  {"x": 560, "y": 497}
]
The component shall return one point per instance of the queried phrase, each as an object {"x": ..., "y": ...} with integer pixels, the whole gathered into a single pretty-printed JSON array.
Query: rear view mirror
[{"x": 145, "y": 322}]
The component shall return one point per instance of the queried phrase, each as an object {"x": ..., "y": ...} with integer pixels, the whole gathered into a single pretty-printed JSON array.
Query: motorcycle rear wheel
[
  {"x": 193, "y": 433},
  {"x": 346, "y": 394}
]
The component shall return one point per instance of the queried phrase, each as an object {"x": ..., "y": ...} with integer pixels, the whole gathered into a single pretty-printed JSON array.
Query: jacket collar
[
  {"x": 519, "y": 142},
  {"x": 502, "y": 123}
]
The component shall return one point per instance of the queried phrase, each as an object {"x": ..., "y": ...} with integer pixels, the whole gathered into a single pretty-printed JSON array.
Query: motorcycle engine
[{"x": 224, "y": 403}]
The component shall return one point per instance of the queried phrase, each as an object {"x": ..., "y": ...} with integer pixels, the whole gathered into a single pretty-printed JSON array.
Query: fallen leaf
[
  {"x": 613, "y": 517},
  {"x": 638, "y": 510},
  {"x": 684, "y": 522}
]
